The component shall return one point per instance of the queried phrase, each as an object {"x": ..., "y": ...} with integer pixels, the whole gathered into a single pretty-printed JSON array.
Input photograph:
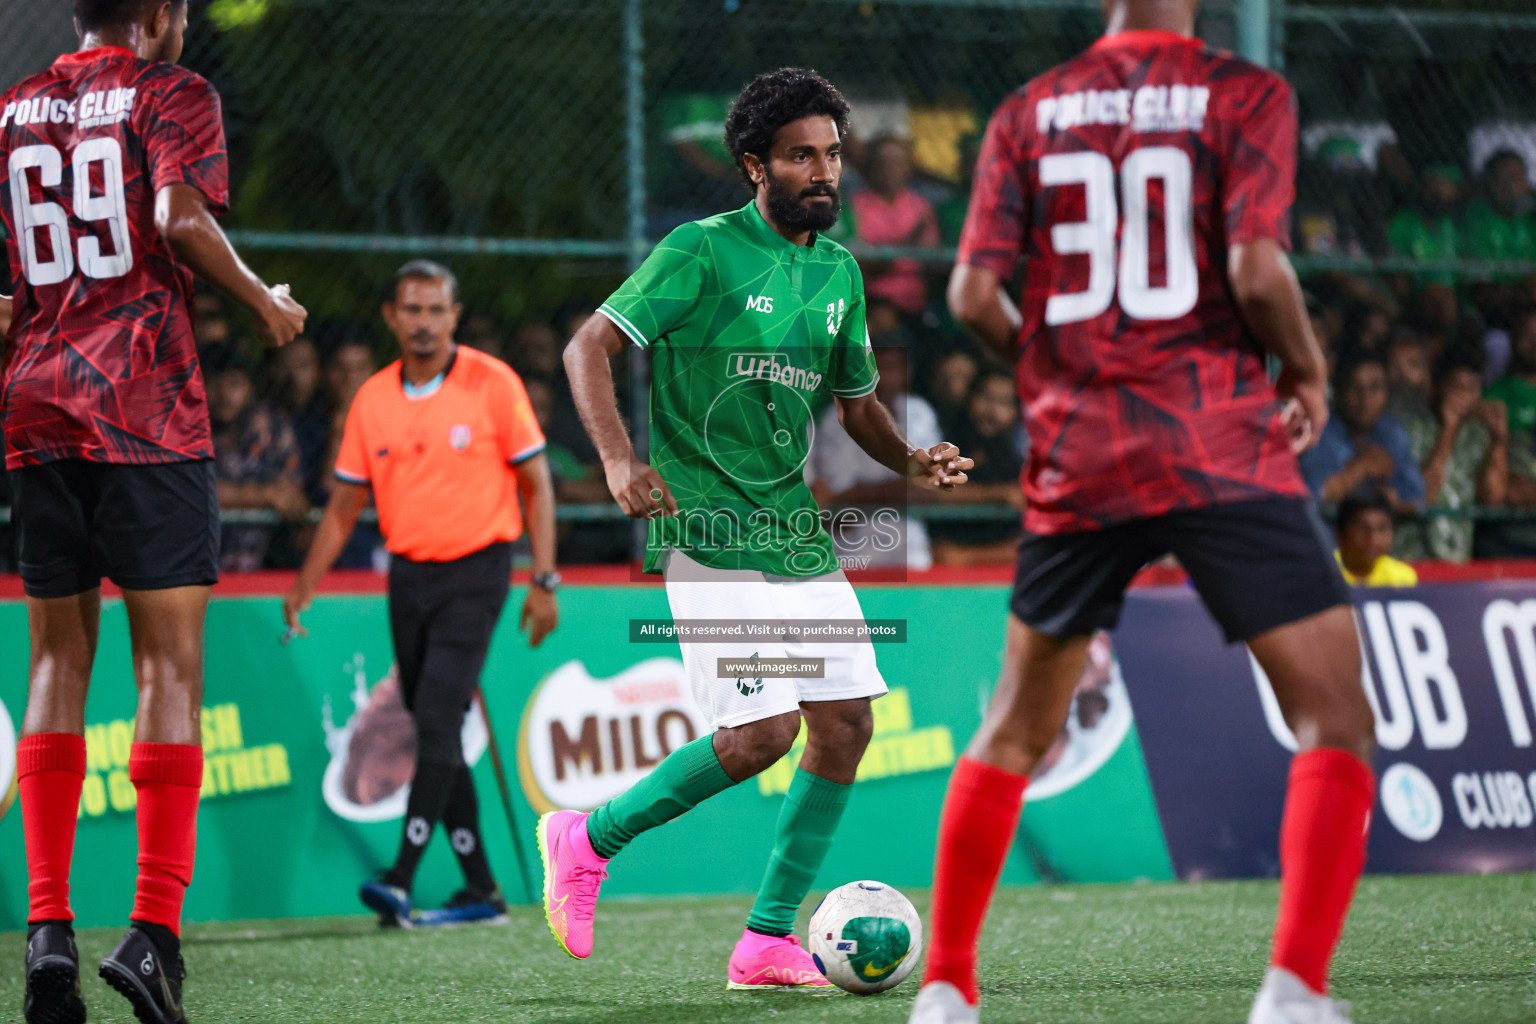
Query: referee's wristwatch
[{"x": 547, "y": 581}]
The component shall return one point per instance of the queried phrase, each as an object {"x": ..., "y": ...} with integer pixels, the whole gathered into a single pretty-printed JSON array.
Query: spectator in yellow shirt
[{"x": 1366, "y": 531}]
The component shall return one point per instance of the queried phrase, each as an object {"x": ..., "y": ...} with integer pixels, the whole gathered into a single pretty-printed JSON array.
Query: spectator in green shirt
[
  {"x": 1461, "y": 441},
  {"x": 694, "y": 174},
  {"x": 1427, "y": 231},
  {"x": 1499, "y": 224},
  {"x": 1517, "y": 388}
]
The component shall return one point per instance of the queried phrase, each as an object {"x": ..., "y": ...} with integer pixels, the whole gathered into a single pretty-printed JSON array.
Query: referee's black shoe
[
  {"x": 53, "y": 976},
  {"x": 143, "y": 975}
]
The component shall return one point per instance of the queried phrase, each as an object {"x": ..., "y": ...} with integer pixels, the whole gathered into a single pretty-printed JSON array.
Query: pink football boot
[
  {"x": 763, "y": 962},
  {"x": 573, "y": 874}
]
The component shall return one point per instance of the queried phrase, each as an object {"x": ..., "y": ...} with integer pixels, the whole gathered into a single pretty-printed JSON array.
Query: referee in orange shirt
[{"x": 448, "y": 443}]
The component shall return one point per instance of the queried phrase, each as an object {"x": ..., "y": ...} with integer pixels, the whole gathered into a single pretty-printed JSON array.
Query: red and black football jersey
[
  {"x": 1121, "y": 178},
  {"x": 100, "y": 362}
]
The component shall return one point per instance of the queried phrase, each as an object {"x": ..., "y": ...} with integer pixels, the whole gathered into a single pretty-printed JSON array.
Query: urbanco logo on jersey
[
  {"x": 584, "y": 740},
  {"x": 774, "y": 367}
]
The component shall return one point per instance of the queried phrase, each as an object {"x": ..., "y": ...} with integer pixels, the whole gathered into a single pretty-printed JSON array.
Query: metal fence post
[
  {"x": 634, "y": 127},
  {"x": 634, "y": 130},
  {"x": 1277, "y": 35},
  {"x": 1253, "y": 31}
]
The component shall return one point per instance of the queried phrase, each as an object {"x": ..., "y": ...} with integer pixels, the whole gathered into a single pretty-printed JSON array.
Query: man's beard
[{"x": 790, "y": 211}]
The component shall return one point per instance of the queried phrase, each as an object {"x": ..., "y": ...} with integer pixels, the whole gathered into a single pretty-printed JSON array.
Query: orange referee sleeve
[
  {"x": 516, "y": 423},
  {"x": 352, "y": 456}
]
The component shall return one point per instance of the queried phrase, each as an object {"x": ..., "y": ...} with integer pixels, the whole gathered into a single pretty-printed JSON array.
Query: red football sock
[
  {"x": 169, "y": 780},
  {"x": 1322, "y": 852},
  {"x": 976, "y": 828},
  {"x": 50, "y": 769}
]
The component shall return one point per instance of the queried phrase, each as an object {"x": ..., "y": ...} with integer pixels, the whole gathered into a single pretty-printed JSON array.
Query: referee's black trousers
[{"x": 442, "y": 615}]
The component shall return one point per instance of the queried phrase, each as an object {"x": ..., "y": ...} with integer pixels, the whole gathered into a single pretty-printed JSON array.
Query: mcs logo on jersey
[{"x": 584, "y": 740}]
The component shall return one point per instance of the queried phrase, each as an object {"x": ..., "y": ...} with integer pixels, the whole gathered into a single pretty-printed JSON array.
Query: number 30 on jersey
[
  {"x": 32, "y": 218},
  {"x": 1095, "y": 236}
]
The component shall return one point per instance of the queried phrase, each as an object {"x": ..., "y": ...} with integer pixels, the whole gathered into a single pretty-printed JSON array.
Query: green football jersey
[{"x": 745, "y": 330}]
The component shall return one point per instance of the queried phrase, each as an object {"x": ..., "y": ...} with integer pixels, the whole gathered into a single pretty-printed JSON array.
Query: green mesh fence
[
  {"x": 540, "y": 146},
  {"x": 542, "y": 143}
]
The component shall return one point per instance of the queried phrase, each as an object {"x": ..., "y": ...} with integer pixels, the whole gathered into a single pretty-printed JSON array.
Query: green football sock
[
  {"x": 688, "y": 776},
  {"x": 812, "y": 808}
]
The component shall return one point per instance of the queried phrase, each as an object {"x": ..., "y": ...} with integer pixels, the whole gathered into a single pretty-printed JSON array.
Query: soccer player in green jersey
[{"x": 748, "y": 317}]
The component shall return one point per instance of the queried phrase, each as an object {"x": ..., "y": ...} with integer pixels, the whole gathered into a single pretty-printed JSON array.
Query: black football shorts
[
  {"x": 1256, "y": 565},
  {"x": 142, "y": 527}
]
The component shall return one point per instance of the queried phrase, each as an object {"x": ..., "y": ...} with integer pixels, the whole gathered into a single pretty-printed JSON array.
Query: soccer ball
[{"x": 866, "y": 937}]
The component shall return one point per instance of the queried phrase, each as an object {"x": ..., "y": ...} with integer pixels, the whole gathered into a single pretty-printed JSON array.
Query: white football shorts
[{"x": 696, "y": 591}]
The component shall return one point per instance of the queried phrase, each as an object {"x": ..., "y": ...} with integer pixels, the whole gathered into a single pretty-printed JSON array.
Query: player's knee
[
  {"x": 850, "y": 729},
  {"x": 168, "y": 675},
  {"x": 1344, "y": 720},
  {"x": 1018, "y": 745},
  {"x": 758, "y": 745},
  {"x": 65, "y": 668},
  {"x": 172, "y": 665},
  {"x": 1033, "y": 742},
  {"x": 438, "y": 740},
  {"x": 1354, "y": 724}
]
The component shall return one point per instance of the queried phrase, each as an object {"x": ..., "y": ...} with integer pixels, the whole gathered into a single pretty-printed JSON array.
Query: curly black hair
[
  {"x": 1364, "y": 499},
  {"x": 95, "y": 14},
  {"x": 772, "y": 100}
]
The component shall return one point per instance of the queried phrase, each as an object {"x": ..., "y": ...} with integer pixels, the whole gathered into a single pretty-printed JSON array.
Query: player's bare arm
[
  {"x": 5, "y": 315},
  {"x": 1268, "y": 296},
  {"x": 183, "y": 219},
  {"x": 870, "y": 424},
  {"x": 347, "y": 503},
  {"x": 979, "y": 303},
  {"x": 536, "y": 491},
  {"x": 637, "y": 487}
]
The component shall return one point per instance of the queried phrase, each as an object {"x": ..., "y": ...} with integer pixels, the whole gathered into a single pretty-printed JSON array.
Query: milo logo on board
[{"x": 585, "y": 740}]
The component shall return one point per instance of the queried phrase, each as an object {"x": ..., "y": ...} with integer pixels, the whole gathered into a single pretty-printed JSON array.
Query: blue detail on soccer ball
[
  {"x": 845, "y": 947},
  {"x": 819, "y": 965},
  {"x": 871, "y": 886}
]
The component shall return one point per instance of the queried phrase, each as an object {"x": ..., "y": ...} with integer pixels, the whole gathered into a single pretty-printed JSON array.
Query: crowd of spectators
[
  {"x": 1433, "y": 403},
  {"x": 278, "y": 417},
  {"x": 1433, "y": 368}
]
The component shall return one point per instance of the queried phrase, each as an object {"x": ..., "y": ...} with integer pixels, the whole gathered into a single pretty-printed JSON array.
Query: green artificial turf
[{"x": 1417, "y": 950}]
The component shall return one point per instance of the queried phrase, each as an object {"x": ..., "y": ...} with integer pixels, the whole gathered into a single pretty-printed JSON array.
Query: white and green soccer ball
[{"x": 866, "y": 937}]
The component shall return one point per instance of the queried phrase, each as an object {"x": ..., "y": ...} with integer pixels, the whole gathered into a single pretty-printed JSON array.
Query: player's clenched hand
[
  {"x": 282, "y": 319},
  {"x": 941, "y": 466},
  {"x": 1306, "y": 408},
  {"x": 295, "y": 601},
  {"x": 540, "y": 615},
  {"x": 639, "y": 490}
]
